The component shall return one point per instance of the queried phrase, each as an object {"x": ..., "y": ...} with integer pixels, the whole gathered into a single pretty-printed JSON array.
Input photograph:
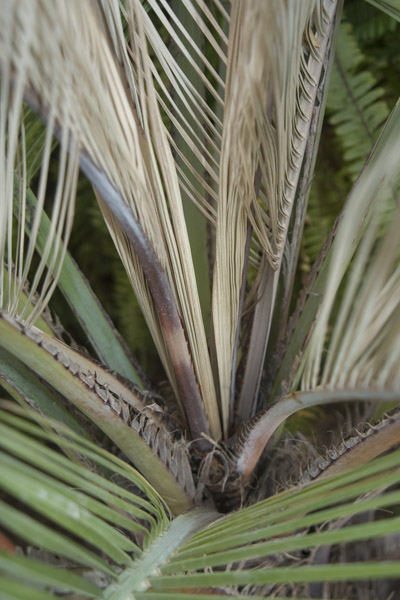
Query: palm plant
[{"x": 197, "y": 124}]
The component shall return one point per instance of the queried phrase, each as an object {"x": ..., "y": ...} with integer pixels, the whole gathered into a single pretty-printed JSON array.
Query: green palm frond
[
  {"x": 73, "y": 496},
  {"x": 129, "y": 319},
  {"x": 195, "y": 128},
  {"x": 76, "y": 290},
  {"x": 196, "y": 551},
  {"x": 263, "y": 529},
  {"x": 117, "y": 408}
]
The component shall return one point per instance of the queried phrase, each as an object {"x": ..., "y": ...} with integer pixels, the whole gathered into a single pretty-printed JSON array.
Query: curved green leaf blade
[
  {"x": 95, "y": 322},
  {"x": 39, "y": 573},
  {"x": 40, "y": 535},
  {"x": 345, "y": 572},
  {"x": 15, "y": 590},
  {"x": 352, "y": 533},
  {"x": 390, "y": 7},
  {"x": 76, "y": 474},
  {"x": 26, "y": 388},
  {"x": 281, "y": 525},
  {"x": 65, "y": 507},
  {"x": 113, "y": 407},
  {"x": 182, "y": 528}
]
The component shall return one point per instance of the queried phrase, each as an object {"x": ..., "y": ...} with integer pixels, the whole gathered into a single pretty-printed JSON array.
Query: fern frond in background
[
  {"x": 369, "y": 23},
  {"x": 355, "y": 105},
  {"x": 364, "y": 85},
  {"x": 390, "y": 7}
]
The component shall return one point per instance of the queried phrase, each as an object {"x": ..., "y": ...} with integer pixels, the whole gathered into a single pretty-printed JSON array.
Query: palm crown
[{"x": 197, "y": 125}]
